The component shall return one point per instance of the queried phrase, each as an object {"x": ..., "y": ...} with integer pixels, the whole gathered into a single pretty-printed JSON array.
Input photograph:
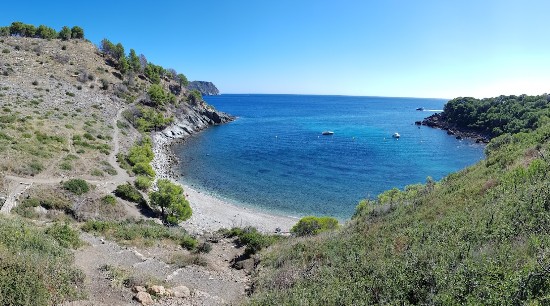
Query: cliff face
[
  {"x": 191, "y": 119},
  {"x": 205, "y": 88}
]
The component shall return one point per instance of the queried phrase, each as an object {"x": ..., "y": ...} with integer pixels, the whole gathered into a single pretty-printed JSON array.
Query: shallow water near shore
[{"x": 274, "y": 157}]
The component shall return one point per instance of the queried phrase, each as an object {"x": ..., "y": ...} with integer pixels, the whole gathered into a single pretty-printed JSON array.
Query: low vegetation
[
  {"x": 35, "y": 266},
  {"x": 129, "y": 193},
  {"x": 311, "y": 225},
  {"x": 140, "y": 233},
  {"x": 76, "y": 186},
  {"x": 251, "y": 238},
  {"x": 479, "y": 236}
]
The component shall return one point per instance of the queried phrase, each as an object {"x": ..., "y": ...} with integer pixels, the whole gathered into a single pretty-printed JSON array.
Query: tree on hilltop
[
  {"x": 46, "y": 32},
  {"x": 182, "y": 80},
  {"x": 65, "y": 33},
  {"x": 17, "y": 28},
  {"x": 133, "y": 61},
  {"x": 77, "y": 32}
]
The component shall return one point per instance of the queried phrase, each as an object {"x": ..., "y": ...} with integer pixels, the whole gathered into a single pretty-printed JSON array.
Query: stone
[
  {"x": 181, "y": 292},
  {"x": 157, "y": 290},
  {"x": 247, "y": 265},
  {"x": 144, "y": 298},
  {"x": 139, "y": 289}
]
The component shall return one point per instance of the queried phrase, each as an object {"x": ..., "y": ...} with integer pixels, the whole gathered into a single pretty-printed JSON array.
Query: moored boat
[{"x": 328, "y": 133}]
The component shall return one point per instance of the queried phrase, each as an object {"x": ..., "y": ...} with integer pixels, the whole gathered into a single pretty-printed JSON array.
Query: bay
[{"x": 274, "y": 158}]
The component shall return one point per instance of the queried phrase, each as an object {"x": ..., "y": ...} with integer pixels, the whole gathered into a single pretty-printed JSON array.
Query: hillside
[
  {"x": 479, "y": 236},
  {"x": 86, "y": 220},
  {"x": 76, "y": 182}
]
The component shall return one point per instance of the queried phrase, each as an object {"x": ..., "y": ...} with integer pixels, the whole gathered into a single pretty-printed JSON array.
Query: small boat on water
[
  {"x": 420, "y": 109},
  {"x": 396, "y": 135},
  {"x": 328, "y": 133}
]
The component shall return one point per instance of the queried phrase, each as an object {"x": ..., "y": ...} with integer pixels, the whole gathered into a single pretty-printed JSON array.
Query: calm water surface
[{"x": 273, "y": 157}]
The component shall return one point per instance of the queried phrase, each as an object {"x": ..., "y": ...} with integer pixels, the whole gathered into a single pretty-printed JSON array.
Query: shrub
[
  {"x": 76, "y": 186},
  {"x": 65, "y": 235},
  {"x": 143, "y": 183},
  {"x": 108, "y": 200},
  {"x": 129, "y": 193},
  {"x": 251, "y": 238},
  {"x": 35, "y": 270},
  {"x": 143, "y": 169},
  {"x": 35, "y": 167},
  {"x": 97, "y": 172},
  {"x": 204, "y": 247},
  {"x": 311, "y": 225},
  {"x": 66, "y": 166}
]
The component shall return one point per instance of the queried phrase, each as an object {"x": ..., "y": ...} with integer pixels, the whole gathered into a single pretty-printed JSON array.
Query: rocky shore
[
  {"x": 439, "y": 120},
  {"x": 210, "y": 213}
]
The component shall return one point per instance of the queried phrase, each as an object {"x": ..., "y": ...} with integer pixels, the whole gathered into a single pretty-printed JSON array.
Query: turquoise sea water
[{"x": 274, "y": 157}]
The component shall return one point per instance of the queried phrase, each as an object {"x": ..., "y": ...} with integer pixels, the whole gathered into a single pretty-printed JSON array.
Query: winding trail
[{"x": 18, "y": 185}]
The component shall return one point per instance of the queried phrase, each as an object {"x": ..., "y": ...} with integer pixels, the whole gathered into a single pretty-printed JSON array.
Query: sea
[{"x": 274, "y": 158}]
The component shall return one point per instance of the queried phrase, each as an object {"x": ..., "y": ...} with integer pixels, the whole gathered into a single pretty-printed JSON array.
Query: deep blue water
[{"x": 274, "y": 157}]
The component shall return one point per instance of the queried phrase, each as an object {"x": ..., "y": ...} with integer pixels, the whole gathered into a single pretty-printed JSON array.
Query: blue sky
[{"x": 422, "y": 48}]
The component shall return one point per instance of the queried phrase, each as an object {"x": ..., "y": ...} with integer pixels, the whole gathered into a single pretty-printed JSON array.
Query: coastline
[
  {"x": 439, "y": 121},
  {"x": 211, "y": 213}
]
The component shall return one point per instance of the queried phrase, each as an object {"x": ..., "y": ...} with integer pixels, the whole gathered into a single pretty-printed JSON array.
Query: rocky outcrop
[
  {"x": 439, "y": 120},
  {"x": 205, "y": 88},
  {"x": 191, "y": 119}
]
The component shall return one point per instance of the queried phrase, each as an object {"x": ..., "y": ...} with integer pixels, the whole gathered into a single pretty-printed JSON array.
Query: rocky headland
[
  {"x": 439, "y": 120},
  {"x": 205, "y": 88}
]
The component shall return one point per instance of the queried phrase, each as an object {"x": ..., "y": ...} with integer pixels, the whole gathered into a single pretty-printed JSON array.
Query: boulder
[
  {"x": 247, "y": 265},
  {"x": 139, "y": 289},
  {"x": 144, "y": 298},
  {"x": 157, "y": 290},
  {"x": 181, "y": 292}
]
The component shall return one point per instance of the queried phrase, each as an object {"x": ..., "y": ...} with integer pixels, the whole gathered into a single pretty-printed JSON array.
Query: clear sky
[{"x": 422, "y": 48}]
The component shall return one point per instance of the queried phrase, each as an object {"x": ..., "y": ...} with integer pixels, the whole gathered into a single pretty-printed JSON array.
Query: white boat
[
  {"x": 395, "y": 135},
  {"x": 328, "y": 133}
]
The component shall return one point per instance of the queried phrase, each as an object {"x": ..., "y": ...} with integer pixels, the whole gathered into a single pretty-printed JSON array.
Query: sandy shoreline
[{"x": 209, "y": 212}]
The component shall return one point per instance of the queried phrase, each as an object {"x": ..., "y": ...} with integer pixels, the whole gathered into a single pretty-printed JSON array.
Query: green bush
[
  {"x": 34, "y": 268},
  {"x": 311, "y": 225},
  {"x": 65, "y": 235},
  {"x": 251, "y": 238},
  {"x": 143, "y": 169},
  {"x": 76, "y": 186},
  {"x": 108, "y": 200},
  {"x": 143, "y": 183},
  {"x": 129, "y": 193}
]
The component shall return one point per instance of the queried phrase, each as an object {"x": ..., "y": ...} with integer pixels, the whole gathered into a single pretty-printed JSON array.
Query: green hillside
[{"x": 479, "y": 236}]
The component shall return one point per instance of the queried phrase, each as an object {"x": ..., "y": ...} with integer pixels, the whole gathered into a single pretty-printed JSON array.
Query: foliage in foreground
[
  {"x": 479, "y": 236},
  {"x": 34, "y": 268},
  {"x": 140, "y": 232},
  {"x": 311, "y": 225}
]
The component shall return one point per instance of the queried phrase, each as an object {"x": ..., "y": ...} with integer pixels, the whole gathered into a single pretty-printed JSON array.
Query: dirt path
[
  {"x": 18, "y": 184},
  {"x": 215, "y": 284}
]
